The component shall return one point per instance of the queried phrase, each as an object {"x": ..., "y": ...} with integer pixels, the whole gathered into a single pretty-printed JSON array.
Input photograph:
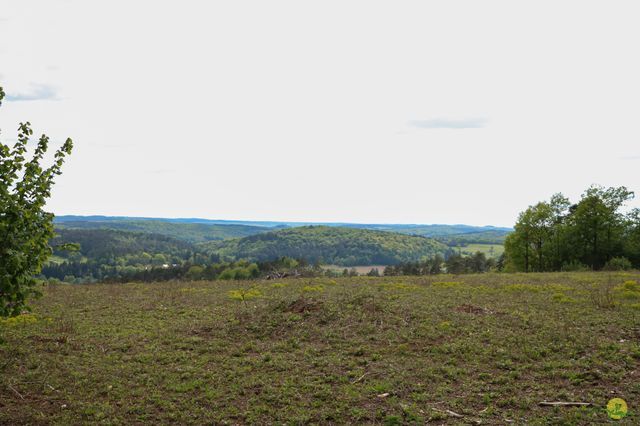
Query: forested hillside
[
  {"x": 334, "y": 245},
  {"x": 118, "y": 254},
  {"x": 191, "y": 232},
  {"x": 103, "y": 253},
  {"x": 108, "y": 244},
  {"x": 200, "y": 230}
]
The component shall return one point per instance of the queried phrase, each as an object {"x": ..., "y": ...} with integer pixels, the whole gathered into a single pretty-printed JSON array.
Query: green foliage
[
  {"x": 331, "y": 245},
  {"x": 25, "y": 228},
  {"x": 556, "y": 235},
  {"x": 195, "y": 272},
  {"x": 104, "y": 254},
  {"x": 457, "y": 264},
  {"x": 244, "y": 294},
  {"x": 243, "y": 271},
  {"x": 618, "y": 264},
  {"x": 429, "y": 266},
  {"x": 629, "y": 290},
  {"x": 189, "y": 232},
  {"x": 312, "y": 288}
]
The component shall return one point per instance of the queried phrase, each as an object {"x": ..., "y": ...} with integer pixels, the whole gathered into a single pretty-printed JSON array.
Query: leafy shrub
[
  {"x": 444, "y": 325},
  {"x": 631, "y": 286},
  {"x": 18, "y": 320},
  {"x": 574, "y": 266},
  {"x": 25, "y": 186},
  {"x": 244, "y": 294},
  {"x": 195, "y": 272},
  {"x": 240, "y": 273},
  {"x": 618, "y": 264},
  {"x": 278, "y": 285}
]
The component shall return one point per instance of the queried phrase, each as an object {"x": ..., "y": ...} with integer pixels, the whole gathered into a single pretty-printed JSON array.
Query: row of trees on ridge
[{"x": 595, "y": 233}]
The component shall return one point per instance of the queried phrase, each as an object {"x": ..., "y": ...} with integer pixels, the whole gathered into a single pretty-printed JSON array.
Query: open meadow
[
  {"x": 469, "y": 349},
  {"x": 490, "y": 250}
]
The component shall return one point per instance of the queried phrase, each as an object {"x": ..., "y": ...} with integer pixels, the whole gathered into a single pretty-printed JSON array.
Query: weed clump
[
  {"x": 278, "y": 285},
  {"x": 401, "y": 287},
  {"x": 19, "y": 320},
  {"x": 522, "y": 288},
  {"x": 447, "y": 284},
  {"x": 562, "y": 298},
  {"x": 629, "y": 290},
  {"x": 618, "y": 264},
  {"x": 312, "y": 288},
  {"x": 244, "y": 294}
]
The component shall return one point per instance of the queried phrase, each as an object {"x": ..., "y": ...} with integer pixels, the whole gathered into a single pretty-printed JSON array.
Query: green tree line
[{"x": 595, "y": 233}]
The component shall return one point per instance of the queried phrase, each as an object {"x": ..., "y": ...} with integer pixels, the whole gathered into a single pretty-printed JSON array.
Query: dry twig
[{"x": 564, "y": 404}]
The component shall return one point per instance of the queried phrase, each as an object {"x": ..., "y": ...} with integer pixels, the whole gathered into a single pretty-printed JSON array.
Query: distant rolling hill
[
  {"x": 332, "y": 245},
  {"x": 200, "y": 230},
  {"x": 190, "y": 232}
]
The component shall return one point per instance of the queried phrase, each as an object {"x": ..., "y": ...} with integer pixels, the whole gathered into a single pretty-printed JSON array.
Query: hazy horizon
[{"x": 241, "y": 220}]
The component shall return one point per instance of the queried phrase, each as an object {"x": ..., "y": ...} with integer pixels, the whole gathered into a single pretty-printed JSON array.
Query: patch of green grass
[{"x": 369, "y": 350}]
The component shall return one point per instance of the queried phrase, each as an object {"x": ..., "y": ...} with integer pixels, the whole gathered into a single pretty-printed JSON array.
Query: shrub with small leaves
[
  {"x": 244, "y": 294},
  {"x": 618, "y": 264},
  {"x": 25, "y": 228}
]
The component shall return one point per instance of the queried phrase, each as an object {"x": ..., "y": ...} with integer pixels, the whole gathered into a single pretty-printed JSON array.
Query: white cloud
[
  {"x": 37, "y": 92},
  {"x": 449, "y": 123}
]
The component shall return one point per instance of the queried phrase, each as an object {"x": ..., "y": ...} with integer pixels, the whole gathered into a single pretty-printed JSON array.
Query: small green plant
[
  {"x": 631, "y": 285},
  {"x": 312, "y": 288},
  {"x": 19, "y": 320},
  {"x": 629, "y": 290},
  {"x": 278, "y": 285},
  {"x": 446, "y": 284},
  {"x": 244, "y": 294},
  {"x": 562, "y": 298},
  {"x": 444, "y": 325}
]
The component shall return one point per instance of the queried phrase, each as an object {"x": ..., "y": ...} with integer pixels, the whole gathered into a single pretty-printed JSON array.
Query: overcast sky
[{"x": 360, "y": 111}]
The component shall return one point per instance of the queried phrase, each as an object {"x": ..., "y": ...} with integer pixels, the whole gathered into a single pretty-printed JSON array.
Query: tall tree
[
  {"x": 551, "y": 234},
  {"x": 598, "y": 225},
  {"x": 518, "y": 243}
]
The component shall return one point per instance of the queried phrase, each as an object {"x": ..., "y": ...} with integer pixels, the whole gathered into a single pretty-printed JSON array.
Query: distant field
[
  {"x": 490, "y": 250},
  {"x": 476, "y": 349}
]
